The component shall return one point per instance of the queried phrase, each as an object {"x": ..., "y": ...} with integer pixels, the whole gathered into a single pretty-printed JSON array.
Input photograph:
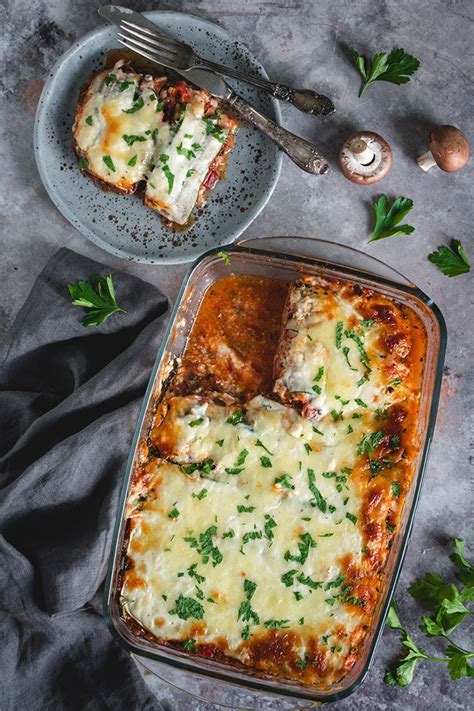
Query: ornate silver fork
[{"x": 181, "y": 56}]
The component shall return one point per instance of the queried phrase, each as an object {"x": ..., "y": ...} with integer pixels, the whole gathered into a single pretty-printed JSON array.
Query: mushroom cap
[
  {"x": 373, "y": 171},
  {"x": 449, "y": 148}
]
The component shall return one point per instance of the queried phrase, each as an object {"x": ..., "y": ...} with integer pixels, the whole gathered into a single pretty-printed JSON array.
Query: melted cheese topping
[
  {"x": 258, "y": 502},
  {"x": 182, "y": 164},
  {"x": 261, "y": 534},
  {"x": 118, "y": 128}
]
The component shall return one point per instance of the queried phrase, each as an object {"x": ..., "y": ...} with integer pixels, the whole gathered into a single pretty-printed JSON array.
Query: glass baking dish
[{"x": 211, "y": 679}]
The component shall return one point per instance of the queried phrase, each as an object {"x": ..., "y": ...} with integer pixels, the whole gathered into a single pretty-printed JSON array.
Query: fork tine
[
  {"x": 169, "y": 55},
  {"x": 151, "y": 43},
  {"x": 129, "y": 44},
  {"x": 127, "y": 25}
]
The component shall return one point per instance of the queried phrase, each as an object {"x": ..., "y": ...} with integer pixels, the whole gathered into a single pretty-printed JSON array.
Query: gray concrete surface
[{"x": 302, "y": 43}]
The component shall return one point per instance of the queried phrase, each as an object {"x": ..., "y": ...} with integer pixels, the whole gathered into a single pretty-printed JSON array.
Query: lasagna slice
[
  {"x": 339, "y": 350},
  {"x": 130, "y": 128},
  {"x": 117, "y": 127}
]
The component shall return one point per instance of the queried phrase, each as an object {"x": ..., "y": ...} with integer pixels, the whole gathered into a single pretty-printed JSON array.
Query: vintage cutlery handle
[
  {"x": 304, "y": 99},
  {"x": 301, "y": 152}
]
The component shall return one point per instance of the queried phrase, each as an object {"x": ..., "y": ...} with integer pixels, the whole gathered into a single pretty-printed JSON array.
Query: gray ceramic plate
[{"x": 122, "y": 224}]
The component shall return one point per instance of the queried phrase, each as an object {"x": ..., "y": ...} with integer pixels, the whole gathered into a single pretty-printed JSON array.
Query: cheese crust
[{"x": 260, "y": 523}]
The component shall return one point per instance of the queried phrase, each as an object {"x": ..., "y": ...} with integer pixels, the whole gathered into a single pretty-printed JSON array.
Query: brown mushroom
[
  {"x": 365, "y": 157},
  {"x": 449, "y": 149}
]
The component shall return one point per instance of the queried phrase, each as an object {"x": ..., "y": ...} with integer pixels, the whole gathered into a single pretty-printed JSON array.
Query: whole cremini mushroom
[
  {"x": 449, "y": 149},
  {"x": 365, "y": 157}
]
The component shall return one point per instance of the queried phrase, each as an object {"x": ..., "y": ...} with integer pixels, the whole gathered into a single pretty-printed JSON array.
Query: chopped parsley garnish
[
  {"x": 367, "y": 322},
  {"x": 308, "y": 448},
  {"x": 169, "y": 177},
  {"x": 83, "y": 163},
  {"x": 390, "y": 527},
  {"x": 109, "y": 163},
  {"x": 246, "y": 614},
  {"x": 189, "y": 644},
  {"x": 276, "y": 624},
  {"x": 319, "y": 374},
  {"x": 110, "y": 79},
  {"x": 259, "y": 443},
  {"x": 187, "y": 607},
  {"x": 160, "y": 105},
  {"x": 285, "y": 481},
  {"x": 298, "y": 596},
  {"x": 363, "y": 380},
  {"x": 395, "y": 383},
  {"x": 350, "y": 429},
  {"x": 369, "y": 442},
  {"x": 123, "y": 86},
  {"x": 346, "y": 351},
  {"x": 265, "y": 462},
  {"x": 319, "y": 499},
  {"x": 360, "y": 402},
  {"x": 396, "y": 488},
  {"x": 202, "y": 494},
  {"x": 214, "y": 131},
  {"x": 139, "y": 103},
  {"x": 241, "y": 457},
  {"x": 306, "y": 580},
  {"x": 251, "y": 536},
  {"x": 174, "y": 513},
  {"x": 395, "y": 442},
  {"x": 89, "y": 120},
  {"x": 186, "y": 152},
  {"x": 133, "y": 160},
  {"x": 306, "y": 542},
  {"x": 287, "y": 578},
  {"x": 364, "y": 358},
  {"x": 337, "y": 415},
  {"x": 351, "y": 518},
  {"x": 270, "y": 524},
  {"x": 196, "y": 147},
  {"x": 130, "y": 140},
  {"x": 229, "y": 534},
  {"x": 339, "y": 332},
  {"x": 223, "y": 255},
  {"x": 190, "y": 172},
  {"x": 245, "y": 509},
  {"x": 343, "y": 402},
  {"x": 193, "y": 574},
  {"x": 334, "y": 583},
  {"x": 195, "y": 423},
  {"x": 236, "y": 418},
  {"x": 315, "y": 429},
  {"x": 233, "y": 470},
  {"x": 205, "y": 547},
  {"x": 220, "y": 442}
]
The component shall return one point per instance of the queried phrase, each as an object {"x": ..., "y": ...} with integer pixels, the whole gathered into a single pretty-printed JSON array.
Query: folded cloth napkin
[{"x": 69, "y": 400}]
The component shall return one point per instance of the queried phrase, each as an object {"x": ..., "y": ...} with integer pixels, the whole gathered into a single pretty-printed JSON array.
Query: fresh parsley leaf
[
  {"x": 98, "y": 296},
  {"x": 466, "y": 574},
  {"x": 387, "y": 219},
  {"x": 458, "y": 662},
  {"x": 225, "y": 257},
  {"x": 396, "y": 67},
  {"x": 452, "y": 261}
]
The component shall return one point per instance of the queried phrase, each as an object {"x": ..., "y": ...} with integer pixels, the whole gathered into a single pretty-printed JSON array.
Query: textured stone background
[{"x": 302, "y": 43}]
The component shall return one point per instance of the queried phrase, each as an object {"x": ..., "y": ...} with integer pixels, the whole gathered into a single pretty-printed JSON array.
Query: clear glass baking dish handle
[{"x": 333, "y": 252}]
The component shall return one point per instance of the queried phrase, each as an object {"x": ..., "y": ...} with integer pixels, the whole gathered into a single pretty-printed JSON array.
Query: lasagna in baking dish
[
  {"x": 270, "y": 488},
  {"x": 135, "y": 129}
]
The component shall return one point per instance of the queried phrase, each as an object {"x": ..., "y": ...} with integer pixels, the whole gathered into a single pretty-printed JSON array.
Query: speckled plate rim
[{"x": 72, "y": 216}]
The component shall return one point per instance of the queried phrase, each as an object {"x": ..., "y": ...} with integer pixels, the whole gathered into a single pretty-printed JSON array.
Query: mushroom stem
[
  {"x": 361, "y": 151},
  {"x": 426, "y": 161}
]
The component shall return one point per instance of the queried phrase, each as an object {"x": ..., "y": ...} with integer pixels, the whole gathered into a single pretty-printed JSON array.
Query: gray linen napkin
[{"x": 69, "y": 399}]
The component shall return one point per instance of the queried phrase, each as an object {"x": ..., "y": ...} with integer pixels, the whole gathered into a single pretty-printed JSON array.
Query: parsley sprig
[
  {"x": 452, "y": 261},
  {"x": 98, "y": 296},
  {"x": 447, "y": 603},
  {"x": 387, "y": 218},
  {"x": 396, "y": 67}
]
